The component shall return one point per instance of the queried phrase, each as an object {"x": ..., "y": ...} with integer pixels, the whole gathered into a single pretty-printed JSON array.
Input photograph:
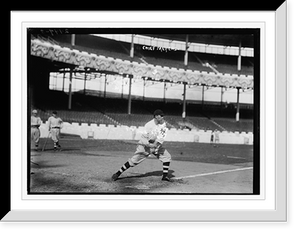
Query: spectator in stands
[
  {"x": 150, "y": 143},
  {"x": 54, "y": 125},
  {"x": 35, "y": 131}
]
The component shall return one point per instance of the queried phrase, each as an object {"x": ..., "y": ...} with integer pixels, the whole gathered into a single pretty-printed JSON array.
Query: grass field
[{"x": 86, "y": 166}]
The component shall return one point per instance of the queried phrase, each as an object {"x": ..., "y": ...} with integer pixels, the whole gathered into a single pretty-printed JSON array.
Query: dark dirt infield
[{"x": 85, "y": 166}]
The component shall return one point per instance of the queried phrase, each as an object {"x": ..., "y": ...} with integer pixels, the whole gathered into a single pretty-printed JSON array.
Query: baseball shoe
[
  {"x": 115, "y": 177},
  {"x": 57, "y": 148},
  {"x": 165, "y": 178}
]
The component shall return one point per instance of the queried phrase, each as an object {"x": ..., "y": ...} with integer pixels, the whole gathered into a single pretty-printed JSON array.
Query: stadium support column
[
  {"x": 202, "y": 97},
  {"x": 239, "y": 64},
  {"x": 64, "y": 76},
  {"x": 238, "y": 105},
  {"x": 129, "y": 96},
  {"x": 70, "y": 89},
  {"x": 144, "y": 88},
  {"x": 122, "y": 87},
  {"x": 132, "y": 47},
  {"x": 222, "y": 93},
  {"x": 186, "y": 51},
  {"x": 184, "y": 102},
  {"x": 105, "y": 81},
  {"x": 84, "y": 85},
  {"x": 165, "y": 89},
  {"x": 72, "y": 40}
]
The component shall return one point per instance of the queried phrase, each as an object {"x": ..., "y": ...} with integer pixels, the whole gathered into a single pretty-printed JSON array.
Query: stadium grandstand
[{"x": 201, "y": 81}]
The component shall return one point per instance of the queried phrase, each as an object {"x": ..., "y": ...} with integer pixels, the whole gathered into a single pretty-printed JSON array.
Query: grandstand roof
[
  {"x": 216, "y": 36},
  {"x": 53, "y": 52},
  {"x": 214, "y": 39}
]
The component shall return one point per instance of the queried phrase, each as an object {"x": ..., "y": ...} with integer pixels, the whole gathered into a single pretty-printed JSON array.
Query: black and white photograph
[
  {"x": 143, "y": 111},
  {"x": 149, "y": 117}
]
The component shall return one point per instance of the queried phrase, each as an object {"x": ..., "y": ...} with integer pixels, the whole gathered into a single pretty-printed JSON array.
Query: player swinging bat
[{"x": 150, "y": 143}]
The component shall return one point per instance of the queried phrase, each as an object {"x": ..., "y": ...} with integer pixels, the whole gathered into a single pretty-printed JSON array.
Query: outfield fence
[{"x": 94, "y": 131}]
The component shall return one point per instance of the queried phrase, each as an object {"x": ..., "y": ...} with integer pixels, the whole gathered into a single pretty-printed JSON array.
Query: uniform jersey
[
  {"x": 35, "y": 121},
  {"x": 154, "y": 132},
  {"x": 54, "y": 122}
]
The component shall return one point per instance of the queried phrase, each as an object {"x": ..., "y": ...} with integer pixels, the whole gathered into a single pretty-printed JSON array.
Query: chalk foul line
[
  {"x": 213, "y": 173},
  {"x": 235, "y": 157}
]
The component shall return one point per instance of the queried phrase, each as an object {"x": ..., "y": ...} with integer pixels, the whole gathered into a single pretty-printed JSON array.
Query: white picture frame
[{"x": 270, "y": 206}]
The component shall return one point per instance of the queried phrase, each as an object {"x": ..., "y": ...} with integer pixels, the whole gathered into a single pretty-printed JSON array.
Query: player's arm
[
  {"x": 154, "y": 147},
  {"x": 160, "y": 139},
  {"x": 154, "y": 143},
  {"x": 148, "y": 137}
]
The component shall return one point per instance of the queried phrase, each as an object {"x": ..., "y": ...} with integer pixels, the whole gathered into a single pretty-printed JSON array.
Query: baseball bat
[{"x": 46, "y": 142}]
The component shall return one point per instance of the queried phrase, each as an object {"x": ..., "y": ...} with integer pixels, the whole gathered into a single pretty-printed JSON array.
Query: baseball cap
[
  {"x": 158, "y": 112},
  {"x": 34, "y": 111}
]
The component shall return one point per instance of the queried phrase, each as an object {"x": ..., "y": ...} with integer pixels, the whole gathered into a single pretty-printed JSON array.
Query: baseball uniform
[
  {"x": 54, "y": 126},
  {"x": 35, "y": 131},
  {"x": 154, "y": 132},
  {"x": 150, "y": 143}
]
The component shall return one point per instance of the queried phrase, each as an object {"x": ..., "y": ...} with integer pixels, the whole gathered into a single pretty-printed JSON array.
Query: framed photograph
[{"x": 148, "y": 119}]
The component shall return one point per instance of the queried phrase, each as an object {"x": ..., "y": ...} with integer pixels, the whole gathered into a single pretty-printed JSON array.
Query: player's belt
[{"x": 56, "y": 127}]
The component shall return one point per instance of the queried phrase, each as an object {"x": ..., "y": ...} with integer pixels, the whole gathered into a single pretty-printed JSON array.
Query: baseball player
[
  {"x": 35, "y": 131},
  {"x": 212, "y": 136},
  {"x": 215, "y": 138},
  {"x": 54, "y": 125},
  {"x": 150, "y": 143}
]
